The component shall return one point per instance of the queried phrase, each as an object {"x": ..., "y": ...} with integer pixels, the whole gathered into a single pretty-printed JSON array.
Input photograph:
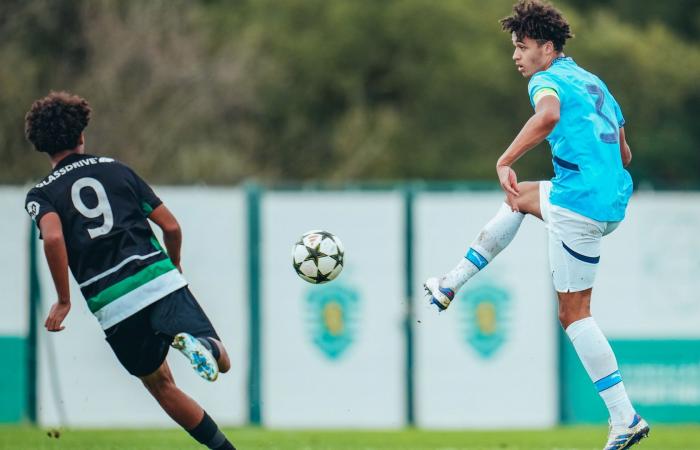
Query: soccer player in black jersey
[{"x": 92, "y": 213}]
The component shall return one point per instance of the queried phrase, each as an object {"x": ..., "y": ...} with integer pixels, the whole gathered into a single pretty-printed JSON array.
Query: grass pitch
[{"x": 567, "y": 438}]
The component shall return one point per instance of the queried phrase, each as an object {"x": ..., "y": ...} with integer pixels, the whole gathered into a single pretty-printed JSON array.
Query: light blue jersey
[{"x": 589, "y": 177}]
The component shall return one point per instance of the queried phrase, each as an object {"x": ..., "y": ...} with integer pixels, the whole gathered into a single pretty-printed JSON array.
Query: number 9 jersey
[
  {"x": 589, "y": 177},
  {"x": 112, "y": 252}
]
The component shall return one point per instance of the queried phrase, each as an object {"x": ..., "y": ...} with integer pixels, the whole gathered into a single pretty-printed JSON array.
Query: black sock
[
  {"x": 208, "y": 433},
  {"x": 226, "y": 446},
  {"x": 210, "y": 344}
]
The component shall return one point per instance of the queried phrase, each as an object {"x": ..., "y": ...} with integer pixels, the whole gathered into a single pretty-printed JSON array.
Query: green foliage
[
  {"x": 219, "y": 91},
  {"x": 681, "y": 16}
]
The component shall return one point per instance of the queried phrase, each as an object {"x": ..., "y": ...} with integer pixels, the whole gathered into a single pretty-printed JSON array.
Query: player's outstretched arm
[
  {"x": 625, "y": 151},
  {"x": 534, "y": 131},
  {"x": 57, "y": 259},
  {"x": 172, "y": 235}
]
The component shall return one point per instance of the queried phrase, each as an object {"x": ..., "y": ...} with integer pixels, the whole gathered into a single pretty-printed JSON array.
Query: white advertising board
[
  {"x": 333, "y": 354},
  {"x": 646, "y": 302},
  {"x": 14, "y": 229},
  {"x": 490, "y": 360},
  {"x": 649, "y": 270}
]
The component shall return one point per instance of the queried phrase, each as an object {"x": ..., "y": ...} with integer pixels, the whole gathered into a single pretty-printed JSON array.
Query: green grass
[{"x": 567, "y": 438}]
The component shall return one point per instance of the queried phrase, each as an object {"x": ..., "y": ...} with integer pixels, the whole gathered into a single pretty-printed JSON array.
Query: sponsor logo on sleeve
[{"x": 33, "y": 209}]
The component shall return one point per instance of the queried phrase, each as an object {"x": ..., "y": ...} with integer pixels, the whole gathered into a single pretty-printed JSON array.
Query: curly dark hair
[
  {"x": 539, "y": 21},
  {"x": 55, "y": 122}
]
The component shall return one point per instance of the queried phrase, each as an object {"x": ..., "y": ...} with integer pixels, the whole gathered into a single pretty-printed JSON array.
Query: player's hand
[
  {"x": 57, "y": 314},
  {"x": 509, "y": 183}
]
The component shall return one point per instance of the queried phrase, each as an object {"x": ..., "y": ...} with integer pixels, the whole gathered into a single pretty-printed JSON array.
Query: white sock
[
  {"x": 598, "y": 359},
  {"x": 493, "y": 238}
]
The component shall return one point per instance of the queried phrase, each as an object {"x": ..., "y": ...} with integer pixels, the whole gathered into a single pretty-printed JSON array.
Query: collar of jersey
[
  {"x": 73, "y": 157},
  {"x": 560, "y": 59}
]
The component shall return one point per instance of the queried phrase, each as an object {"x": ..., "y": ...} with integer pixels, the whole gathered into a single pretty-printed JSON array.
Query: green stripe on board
[
  {"x": 661, "y": 376},
  {"x": 129, "y": 284},
  {"x": 254, "y": 370},
  {"x": 13, "y": 373},
  {"x": 409, "y": 319},
  {"x": 34, "y": 300}
]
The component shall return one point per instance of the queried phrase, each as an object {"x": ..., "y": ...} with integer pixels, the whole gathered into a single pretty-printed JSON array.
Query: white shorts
[{"x": 574, "y": 244}]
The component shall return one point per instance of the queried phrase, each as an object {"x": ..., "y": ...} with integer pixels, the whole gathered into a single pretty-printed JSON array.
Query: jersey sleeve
[
  {"x": 618, "y": 112},
  {"x": 148, "y": 200},
  {"x": 542, "y": 84},
  {"x": 37, "y": 205}
]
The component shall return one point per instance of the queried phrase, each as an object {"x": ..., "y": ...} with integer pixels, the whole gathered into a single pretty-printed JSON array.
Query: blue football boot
[
  {"x": 621, "y": 438},
  {"x": 439, "y": 296},
  {"x": 200, "y": 357}
]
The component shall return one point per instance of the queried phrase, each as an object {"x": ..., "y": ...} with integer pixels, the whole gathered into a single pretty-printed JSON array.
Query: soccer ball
[{"x": 318, "y": 256}]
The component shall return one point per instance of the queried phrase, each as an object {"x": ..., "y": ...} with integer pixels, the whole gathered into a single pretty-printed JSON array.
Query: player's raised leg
[
  {"x": 182, "y": 318},
  {"x": 183, "y": 410},
  {"x": 491, "y": 240}
]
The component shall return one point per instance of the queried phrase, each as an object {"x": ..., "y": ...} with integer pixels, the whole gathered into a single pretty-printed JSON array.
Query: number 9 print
[{"x": 102, "y": 209}]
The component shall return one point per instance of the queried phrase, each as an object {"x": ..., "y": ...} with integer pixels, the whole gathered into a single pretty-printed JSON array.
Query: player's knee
[
  {"x": 224, "y": 361},
  {"x": 528, "y": 200},
  {"x": 565, "y": 318},
  {"x": 571, "y": 313}
]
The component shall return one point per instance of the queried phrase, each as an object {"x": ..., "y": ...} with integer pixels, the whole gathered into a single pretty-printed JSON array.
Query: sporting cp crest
[
  {"x": 485, "y": 310},
  {"x": 332, "y": 315}
]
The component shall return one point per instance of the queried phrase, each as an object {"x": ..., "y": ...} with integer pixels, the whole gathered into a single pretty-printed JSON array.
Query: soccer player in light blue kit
[{"x": 585, "y": 200}]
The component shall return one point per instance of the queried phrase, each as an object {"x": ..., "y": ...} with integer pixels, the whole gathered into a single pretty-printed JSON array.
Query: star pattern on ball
[
  {"x": 314, "y": 253},
  {"x": 338, "y": 257}
]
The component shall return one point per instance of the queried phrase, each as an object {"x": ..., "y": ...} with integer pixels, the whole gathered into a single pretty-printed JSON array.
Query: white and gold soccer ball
[{"x": 318, "y": 256}]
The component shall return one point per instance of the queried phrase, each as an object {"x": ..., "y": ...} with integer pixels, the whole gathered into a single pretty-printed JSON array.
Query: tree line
[{"x": 217, "y": 91}]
